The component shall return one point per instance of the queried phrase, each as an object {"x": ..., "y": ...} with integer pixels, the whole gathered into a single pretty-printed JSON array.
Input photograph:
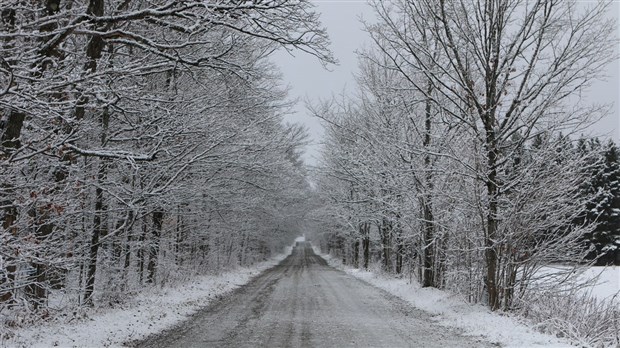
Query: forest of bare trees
[
  {"x": 457, "y": 161},
  {"x": 142, "y": 142}
]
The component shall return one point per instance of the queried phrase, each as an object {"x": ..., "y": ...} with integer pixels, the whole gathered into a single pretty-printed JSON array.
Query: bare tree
[
  {"x": 510, "y": 68},
  {"x": 132, "y": 135}
]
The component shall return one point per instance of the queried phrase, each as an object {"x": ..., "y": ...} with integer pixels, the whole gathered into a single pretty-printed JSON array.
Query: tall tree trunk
[
  {"x": 400, "y": 249},
  {"x": 10, "y": 132},
  {"x": 158, "y": 218},
  {"x": 178, "y": 260},
  {"x": 36, "y": 290},
  {"x": 386, "y": 243},
  {"x": 98, "y": 232},
  {"x": 426, "y": 202},
  {"x": 141, "y": 249},
  {"x": 366, "y": 243},
  {"x": 8, "y": 282},
  {"x": 428, "y": 247},
  {"x": 93, "y": 52},
  {"x": 490, "y": 237},
  {"x": 356, "y": 253},
  {"x": 126, "y": 254}
]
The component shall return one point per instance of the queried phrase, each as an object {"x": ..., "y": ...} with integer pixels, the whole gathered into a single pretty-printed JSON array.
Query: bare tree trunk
[
  {"x": 127, "y": 250},
  {"x": 342, "y": 245},
  {"x": 10, "y": 131},
  {"x": 36, "y": 289},
  {"x": 386, "y": 243},
  {"x": 158, "y": 217},
  {"x": 400, "y": 249},
  {"x": 356, "y": 253},
  {"x": 93, "y": 51},
  {"x": 426, "y": 203},
  {"x": 366, "y": 243},
  {"x": 98, "y": 233},
  {"x": 428, "y": 247},
  {"x": 179, "y": 238},
  {"x": 141, "y": 249},
  {"x": 490, "y": 237},
  {"x": 12, "y": 128},
  {"x": 9, "y": 281}
]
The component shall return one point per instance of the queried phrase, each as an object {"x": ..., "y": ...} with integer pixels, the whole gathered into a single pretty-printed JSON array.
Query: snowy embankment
[
  {"x": 152, "y": 311},
  {"x": 449, "y": 310}
]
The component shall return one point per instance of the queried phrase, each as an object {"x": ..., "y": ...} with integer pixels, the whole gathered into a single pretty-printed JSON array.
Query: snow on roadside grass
[
  {"x": 151, "y": 311},
  {"x": 451, "y": 311}
]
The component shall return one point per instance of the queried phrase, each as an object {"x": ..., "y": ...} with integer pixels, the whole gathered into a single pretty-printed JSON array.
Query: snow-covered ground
[
  {"x": 608, "y": 283},
  {"x": 155, "y": 310},
  {"x": 152, "y": 311},
  {"x": 452, "y": 311},
  {"x": 605, "y": 282}
]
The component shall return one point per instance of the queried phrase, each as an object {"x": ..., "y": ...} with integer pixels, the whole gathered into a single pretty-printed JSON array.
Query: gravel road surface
[{"x": 303, "y": 302}]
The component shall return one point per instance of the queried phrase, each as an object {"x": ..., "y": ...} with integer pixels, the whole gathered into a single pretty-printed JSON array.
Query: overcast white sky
[{"x": 308, "y": 80}]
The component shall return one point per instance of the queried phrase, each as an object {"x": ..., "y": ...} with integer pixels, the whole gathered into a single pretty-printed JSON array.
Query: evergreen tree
[
  {"x": 609, "y": 206},
  {"x": 604, "y": 208}
]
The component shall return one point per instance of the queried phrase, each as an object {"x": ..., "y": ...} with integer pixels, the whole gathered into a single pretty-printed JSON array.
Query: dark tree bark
[
  {"x": 141, "y": 249},
  {"x": 490, "y": 236},
  {"x": 93, "y": 52},
  {"x": 158, "y": 218},
  {"x": 179, "y": 239},
  {"x": 126, "y": 253},
  {"x": 8, "y": 282},
  {"x": 426, "y": 202},
  {"x": 386, "y": 243},
  {"x": 356, "y": 253},
  {"x": 428, "y": 247},
  {"x": 99, "y": 231},
  {"x": 10, "y": 132},
  {"x": 36, "y": 289},
  {"x": 400, "y": 250},
  {"x": 366, "y": 243}
]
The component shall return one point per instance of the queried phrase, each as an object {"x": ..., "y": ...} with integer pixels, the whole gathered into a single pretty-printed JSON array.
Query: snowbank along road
[{"x": 302, "y": 302}]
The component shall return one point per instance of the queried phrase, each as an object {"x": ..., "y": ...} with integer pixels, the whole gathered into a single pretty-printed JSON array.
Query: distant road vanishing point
[{"x": 303, "y": 302}]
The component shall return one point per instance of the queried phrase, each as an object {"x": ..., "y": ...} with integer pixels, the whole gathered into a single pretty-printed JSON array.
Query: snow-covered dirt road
[{"x": 302, "y": 302}]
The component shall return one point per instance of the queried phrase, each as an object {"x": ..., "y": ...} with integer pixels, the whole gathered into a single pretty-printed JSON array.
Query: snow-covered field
[
  {"x": 452, "y": 311},
  {"x": 608, "y": 283},
  {"x": 152, "y": 311},
  {"x": 605, "y": 282}
]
